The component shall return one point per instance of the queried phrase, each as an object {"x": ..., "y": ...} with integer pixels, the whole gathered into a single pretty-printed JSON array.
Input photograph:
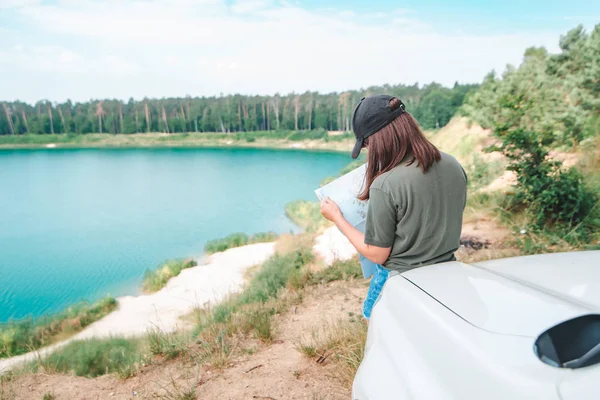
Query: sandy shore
[
  {"x": 332, "y": 245},
  {"x": 223, "y": 274}
]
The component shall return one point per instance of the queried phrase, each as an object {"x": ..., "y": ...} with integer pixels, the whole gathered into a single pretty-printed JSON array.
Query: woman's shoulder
[
  {"x": 379, "y": 182},
  {"x": 391, "y": 178},
  {"x": 448, "y": 159},
  {"x": 407, "y": 175}
]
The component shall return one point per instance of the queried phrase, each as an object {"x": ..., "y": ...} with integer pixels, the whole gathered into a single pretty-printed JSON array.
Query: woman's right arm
[{"x": 378, "y": 255}]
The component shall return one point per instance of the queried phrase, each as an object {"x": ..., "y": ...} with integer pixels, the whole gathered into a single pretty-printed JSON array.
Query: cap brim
[{"x": 357, "y": 147}]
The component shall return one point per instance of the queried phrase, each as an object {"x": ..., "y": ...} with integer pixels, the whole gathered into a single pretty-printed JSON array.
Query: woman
[{"x": 416, "y": 194}]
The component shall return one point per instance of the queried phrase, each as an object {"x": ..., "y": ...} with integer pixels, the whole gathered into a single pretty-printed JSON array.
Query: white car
[{"x": 516, "y": 328}]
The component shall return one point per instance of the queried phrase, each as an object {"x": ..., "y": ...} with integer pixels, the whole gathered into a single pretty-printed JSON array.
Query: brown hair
[{"x": 391, "y": 144}]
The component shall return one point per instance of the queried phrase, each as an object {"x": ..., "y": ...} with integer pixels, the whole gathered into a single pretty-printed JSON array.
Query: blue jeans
[{"x": 380, "y": 275}]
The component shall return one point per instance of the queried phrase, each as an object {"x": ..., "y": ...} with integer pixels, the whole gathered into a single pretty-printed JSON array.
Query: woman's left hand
[{"x": 330, "y": 210}]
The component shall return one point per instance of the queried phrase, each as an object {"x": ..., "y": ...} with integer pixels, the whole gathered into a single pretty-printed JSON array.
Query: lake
[{"x": 80, "y": 224}]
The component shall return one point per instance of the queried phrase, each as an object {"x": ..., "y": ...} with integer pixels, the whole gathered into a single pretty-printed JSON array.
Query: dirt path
[{"x": 281, "y": 371}]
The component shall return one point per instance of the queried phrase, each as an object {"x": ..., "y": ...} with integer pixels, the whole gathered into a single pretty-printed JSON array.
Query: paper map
[{"x": 344, "y": 191}]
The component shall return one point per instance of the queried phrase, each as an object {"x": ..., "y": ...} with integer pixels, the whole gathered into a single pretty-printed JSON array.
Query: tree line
[
  {"x": 559, "y": 92},
  {"x": 433, "y": 105}
]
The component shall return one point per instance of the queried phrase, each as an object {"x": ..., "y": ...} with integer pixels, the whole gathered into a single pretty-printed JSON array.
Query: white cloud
[
  {"x": 161, "y": 48},
  {"x": 115, "y": 65},
  {"x": 58, "y": 59},
  {"x": 248, "y": 6},
  {"x": 5, "y": 4}
]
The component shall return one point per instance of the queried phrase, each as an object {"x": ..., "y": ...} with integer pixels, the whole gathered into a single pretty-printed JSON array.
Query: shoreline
[
  {"x": 209, "y": 283},
  {"x": 154, "y": 140}
]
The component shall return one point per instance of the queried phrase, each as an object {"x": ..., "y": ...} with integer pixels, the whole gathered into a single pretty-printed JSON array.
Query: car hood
[{"x": 521, "y": 296}]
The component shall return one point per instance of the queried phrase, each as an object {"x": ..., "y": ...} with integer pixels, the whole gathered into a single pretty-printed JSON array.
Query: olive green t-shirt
[{"x": 419, "y": 215}]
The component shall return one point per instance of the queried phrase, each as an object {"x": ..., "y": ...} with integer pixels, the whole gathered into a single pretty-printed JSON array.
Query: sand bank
[{"x": 332, "y": 245}]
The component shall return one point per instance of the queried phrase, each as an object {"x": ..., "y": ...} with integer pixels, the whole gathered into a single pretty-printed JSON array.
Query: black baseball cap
[{"x": 370, "y": 115}]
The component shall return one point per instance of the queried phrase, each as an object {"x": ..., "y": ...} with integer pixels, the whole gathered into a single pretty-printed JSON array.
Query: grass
[
  {"x": 174, "y": 389},
  {"x": 482, "y": 205},
  {"x": 169, "y": 344},
  {"x": 237, "y": 240},
  {"x": 19, "y": 337},
  {"x": 339, "y": 270},
  {"x": 156, "y": 279},
  {"x": 6, "y": 386},
  {"x": 306, "y": 214},
  {"x": 341, "y": 342},
  {"x": 250, "y": 313},
  {"x": 95, "y": 357},
  {"x": 265, "y": 284},
  {"x": 481, "y": 173}
]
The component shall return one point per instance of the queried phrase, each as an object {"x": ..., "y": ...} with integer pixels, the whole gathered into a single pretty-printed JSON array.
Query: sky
[{"x": 88, "y": 49}]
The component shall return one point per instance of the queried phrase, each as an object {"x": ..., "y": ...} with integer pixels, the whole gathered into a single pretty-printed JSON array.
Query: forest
[{"x": 433, "y": 105}]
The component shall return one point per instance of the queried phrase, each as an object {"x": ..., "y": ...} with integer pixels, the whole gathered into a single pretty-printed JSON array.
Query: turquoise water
[{"x": 78, "y": 224}]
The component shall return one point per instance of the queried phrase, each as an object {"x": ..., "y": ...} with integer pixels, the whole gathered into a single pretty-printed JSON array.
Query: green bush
[
  {"x": 559, "y": 196},
  {"x": 156, "y": 279},
  {"x": 95, "y": 357},
  {"x": 19, "y": 337},
  {"x": 238, "y": 240},
  {"x": 549, "y": 194}
]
